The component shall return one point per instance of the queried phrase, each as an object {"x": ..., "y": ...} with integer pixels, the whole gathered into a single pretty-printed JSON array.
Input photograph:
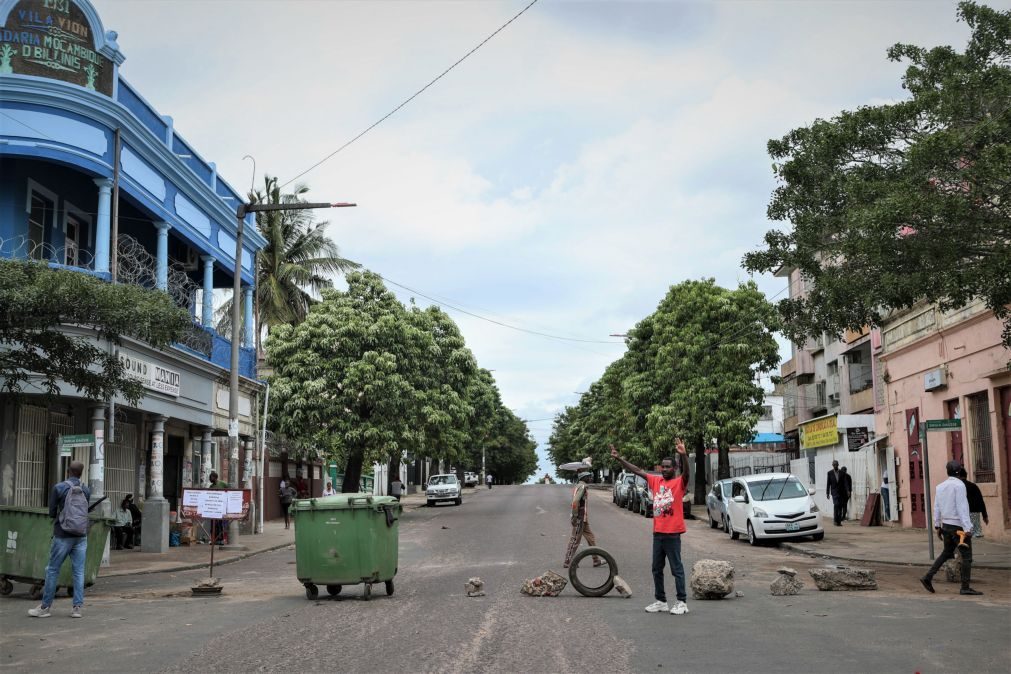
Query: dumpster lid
[{"x": 343, "y": 501}]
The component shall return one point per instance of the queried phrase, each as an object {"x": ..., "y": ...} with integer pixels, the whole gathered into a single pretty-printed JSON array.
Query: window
[
  {"x": 76, "y": 236},
  {"x": 72, "y": 243},
  {"x": 738, "y": 489},
  {"x": 766, "y": 413},
  {"x": 718, "y": 491},
  {"x": 40, "y": 212},
  {"x": 981, "y": 438}
]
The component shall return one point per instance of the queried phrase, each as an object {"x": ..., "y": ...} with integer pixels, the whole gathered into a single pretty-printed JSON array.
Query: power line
[{"x": 415, "y": 95}]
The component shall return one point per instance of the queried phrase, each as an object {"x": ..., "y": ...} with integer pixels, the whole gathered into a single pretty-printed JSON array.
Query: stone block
[
  {"x": 786, "y": 583},
  {"x": 712, "y": 579},
  {"x": 843, "y": 578},
  {"x": 953, "y": 570}
]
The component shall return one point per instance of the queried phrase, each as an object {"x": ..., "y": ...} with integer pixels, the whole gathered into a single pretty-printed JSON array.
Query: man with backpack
[{"x": 68, "y": 506}]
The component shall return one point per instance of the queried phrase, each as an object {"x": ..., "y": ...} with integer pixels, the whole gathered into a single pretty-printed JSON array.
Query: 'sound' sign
[{"x": 54, "y": 39}]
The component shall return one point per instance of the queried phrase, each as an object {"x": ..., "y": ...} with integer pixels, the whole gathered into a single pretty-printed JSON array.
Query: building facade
[{"x": 95, "y": 180}]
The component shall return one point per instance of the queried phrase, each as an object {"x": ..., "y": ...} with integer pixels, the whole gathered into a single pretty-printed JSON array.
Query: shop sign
[
  {"x": 820, "y": 433},
  {"x": 54, "y": 39},
  {"x": 151, "y": 375},
  {"x": 69, "y": 442},
  {"x": 856, "y": 438}
]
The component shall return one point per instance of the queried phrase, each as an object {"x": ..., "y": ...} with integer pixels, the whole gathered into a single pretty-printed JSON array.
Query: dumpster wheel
[
  {"x": 333, "y": 590},
  {"x": 6, "y": 587},
  {"x": 311, "y": 591},
  {"x": 612, "y": 571},
  {"x": 367, "y": 592},
  {"x": 389, "y": 588}
]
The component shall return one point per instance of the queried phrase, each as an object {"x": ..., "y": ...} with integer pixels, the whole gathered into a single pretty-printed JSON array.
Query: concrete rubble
[
  {"x": 475, "y": 587},
  {"x": 549, "y": 584},
  {"x": 623, "y": 588},
  {"x": 786, "y": 583},
  {"x": 712, "y": 579},
  {"x": 842, "y": 578}
]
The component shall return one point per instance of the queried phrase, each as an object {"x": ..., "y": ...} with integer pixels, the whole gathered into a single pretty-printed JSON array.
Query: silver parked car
[
  {"x": 444, "y": 488},
  {"x": 623, "y": 490},
  {"x": 718, "y": 505}
]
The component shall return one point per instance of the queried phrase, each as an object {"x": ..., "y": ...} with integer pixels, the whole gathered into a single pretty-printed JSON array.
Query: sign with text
[
  {"x": 820, "y": 433},
  {"x": 856, "y": 438},
  {"x": 151, "y": 375},
  {"x": 216, "y": 504},
  {"x": 944, "y": 424},
  {"x": 69, "y": 442},
  {"x": 54, "y": 39}
]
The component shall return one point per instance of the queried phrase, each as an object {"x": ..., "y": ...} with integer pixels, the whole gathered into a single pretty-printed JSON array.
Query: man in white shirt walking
[{"x": 951, "y": 514}]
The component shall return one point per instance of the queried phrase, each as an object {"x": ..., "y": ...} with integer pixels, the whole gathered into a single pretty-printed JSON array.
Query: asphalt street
[{"x": 264, "y": 622}]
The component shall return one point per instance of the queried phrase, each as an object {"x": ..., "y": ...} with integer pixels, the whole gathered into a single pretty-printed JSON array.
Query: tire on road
[
  {"x": 612, "y": 571},
  {"x": 389, "y": 588},
  {"x": 333, "y": 590},
  {"x": 311, "y": 591}
]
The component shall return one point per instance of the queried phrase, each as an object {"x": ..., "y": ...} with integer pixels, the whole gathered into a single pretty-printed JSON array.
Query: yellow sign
[{"x": 820, "y": 433}]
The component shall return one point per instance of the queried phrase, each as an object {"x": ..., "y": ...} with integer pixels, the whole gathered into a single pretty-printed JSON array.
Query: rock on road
[{"x": 506, "y": 535}]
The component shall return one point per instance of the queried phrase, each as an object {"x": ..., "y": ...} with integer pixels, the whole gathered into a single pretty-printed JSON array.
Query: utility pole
[{"x": 233, "y": 375}]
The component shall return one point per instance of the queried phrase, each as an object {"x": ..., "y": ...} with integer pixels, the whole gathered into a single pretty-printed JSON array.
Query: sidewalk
[
  {"x": 894, "y": 545},
  {"x": 186, "y": 557}
]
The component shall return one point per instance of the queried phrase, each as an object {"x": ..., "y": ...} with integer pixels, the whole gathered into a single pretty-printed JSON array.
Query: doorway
[
  {"x": 173, "y": 468},
  {"x": 917, "y": 495}
]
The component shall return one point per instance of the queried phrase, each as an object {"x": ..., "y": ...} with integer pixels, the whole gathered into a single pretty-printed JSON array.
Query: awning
[
  {"x": 761, "y": 438},
  {"x": 871, "y": 442}
]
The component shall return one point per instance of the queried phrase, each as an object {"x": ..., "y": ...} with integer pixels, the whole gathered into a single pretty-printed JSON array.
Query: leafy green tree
[
  {"x": 297, "y": 264},
  {"x": 693, "y": 369},
  {"x": 36, "y": 303},
  {"x": 898, "y": 203},
  {"x": 512, "y": 455}
]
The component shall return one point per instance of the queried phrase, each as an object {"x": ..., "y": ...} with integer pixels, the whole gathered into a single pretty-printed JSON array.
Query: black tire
[
  {"x": 333, "y": 590},
  {"x": 712, "y": 522},
  {"x": 389, "y": 588},
  {"x": 458, "y": 500},
  {"x": 36, "y": 591},
  {"x": 733, "y": 534},
  {"x": 367, "y": 592},
  {"x": 818, "y": 536},
  {"x": 752, "y": 538},
  {"x": 6, "y": 587},
  {"x": 311, "y": 591},
  {"x": 612, "y": 568},
  {"x": 430, "y": 503}
]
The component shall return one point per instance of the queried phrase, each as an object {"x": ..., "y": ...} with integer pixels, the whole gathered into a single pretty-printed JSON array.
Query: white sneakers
[
  {"x": 76, "y": 612},
  {"x": 679, "y": 608},
  {"x": 40, "y": 612}
]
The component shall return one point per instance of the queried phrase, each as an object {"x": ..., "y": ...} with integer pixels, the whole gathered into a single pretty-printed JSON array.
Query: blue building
[{"x": 165, "y": 219}]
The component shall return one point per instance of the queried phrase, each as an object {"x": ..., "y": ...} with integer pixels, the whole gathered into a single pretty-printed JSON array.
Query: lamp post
[{"x": 233, "y": 375}]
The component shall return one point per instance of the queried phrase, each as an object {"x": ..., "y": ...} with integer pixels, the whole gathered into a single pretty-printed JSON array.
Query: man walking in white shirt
[{"x": 951, "y": 514}]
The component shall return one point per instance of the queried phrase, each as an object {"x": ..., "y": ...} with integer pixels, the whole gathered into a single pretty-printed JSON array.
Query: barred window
[{"x": 981, "y": 437}]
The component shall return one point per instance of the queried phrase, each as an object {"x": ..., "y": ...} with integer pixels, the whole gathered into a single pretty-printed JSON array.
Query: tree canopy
[
  {"x": 690, "y": 372},
  {"x": 35, "y": 301},
  {"x": 893, "y": 204}
]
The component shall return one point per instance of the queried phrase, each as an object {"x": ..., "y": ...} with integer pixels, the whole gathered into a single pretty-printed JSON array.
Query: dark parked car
[
  {"x": 623, "y": 490},
  {"x": 646, "y": 499},
  {"x": 635, "y": 493}
]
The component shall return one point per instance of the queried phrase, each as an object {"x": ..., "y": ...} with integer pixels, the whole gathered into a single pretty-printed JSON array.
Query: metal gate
[
  {"x": 30, "y": 448},
  {"x": 121, "y": 463}
]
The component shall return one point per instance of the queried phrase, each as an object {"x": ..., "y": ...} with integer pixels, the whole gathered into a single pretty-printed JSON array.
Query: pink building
[{"x": 933, "y": 364}]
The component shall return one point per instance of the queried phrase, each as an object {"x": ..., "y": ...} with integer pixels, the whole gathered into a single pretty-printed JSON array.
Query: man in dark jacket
[
  {"x": 977, "y": 506},
  {"x": 832, "y": 492},
  {"x": 65, "y": 543},
  {"x": 845, "y": 491}
]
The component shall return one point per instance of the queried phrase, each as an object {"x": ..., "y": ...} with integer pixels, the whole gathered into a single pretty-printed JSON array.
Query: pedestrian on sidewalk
[
  {"x": 832, "y": 492},
  {"x": 668, "y": 525},
  {"x": 487, "y": 479},
  {"x": 288, "y": 494},
  {"x": 846, "y": 491},
  {"x": 218, "y": 527},
  {"x": 951, "y": 514},
  {"x": 977, "y": 506},
  {"x": 579, "y": 520},
  {"x": 122, "y": 526},
  {"x": 329, "y": 490},
  {"x": 68, "y": 506},
  {"x": 886, "y": 513},
  {"x": 396, "y": 488}
]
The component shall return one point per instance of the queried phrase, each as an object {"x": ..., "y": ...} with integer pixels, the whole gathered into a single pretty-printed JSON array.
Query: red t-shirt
[{"x": 668, "y": 513}]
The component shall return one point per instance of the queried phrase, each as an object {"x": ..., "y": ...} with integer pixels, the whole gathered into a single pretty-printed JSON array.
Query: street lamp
[{"x": 233, "y": 375}]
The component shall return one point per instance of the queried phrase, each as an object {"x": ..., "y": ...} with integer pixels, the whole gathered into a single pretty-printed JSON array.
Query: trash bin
[
  {"x": 346, "y": 540},
  {"x": 26, "y": 553}
]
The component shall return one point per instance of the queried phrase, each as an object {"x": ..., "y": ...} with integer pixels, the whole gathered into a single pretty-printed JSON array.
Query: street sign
[
  {"x": 68, "y": 442},
  {"x": 944, "y": 424}
]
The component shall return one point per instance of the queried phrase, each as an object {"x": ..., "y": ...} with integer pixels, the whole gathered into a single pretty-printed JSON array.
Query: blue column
[
  {"x": 247, "y": 317},
  {"x": 103, "y": 224},
  {"x": 207, "y": 319},
  {"x": 162, "y": 257}
]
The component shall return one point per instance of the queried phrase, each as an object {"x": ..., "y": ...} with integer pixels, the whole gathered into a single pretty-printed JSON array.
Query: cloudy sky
[{"x": 560, "y": 179}]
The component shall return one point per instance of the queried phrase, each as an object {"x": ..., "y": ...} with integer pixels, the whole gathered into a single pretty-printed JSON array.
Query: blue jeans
[
  {"x": 667, "y": 548},
  {"x": 77, "y": 548}
]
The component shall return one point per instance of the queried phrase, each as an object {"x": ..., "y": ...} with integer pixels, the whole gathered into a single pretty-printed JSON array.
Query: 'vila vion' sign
[{"x": 151, "y": 376}]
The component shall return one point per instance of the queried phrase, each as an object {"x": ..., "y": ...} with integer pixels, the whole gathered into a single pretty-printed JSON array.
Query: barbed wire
[
  {"x": 137, "y": 266},
  {"x": 22, "y": 247}
]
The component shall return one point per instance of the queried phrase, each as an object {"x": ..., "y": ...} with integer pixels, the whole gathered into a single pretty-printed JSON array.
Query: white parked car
[
  {"x": 444, "y": 488},
  {"x": 772, "y": 506},
  {"x": 470, "y": 479}
]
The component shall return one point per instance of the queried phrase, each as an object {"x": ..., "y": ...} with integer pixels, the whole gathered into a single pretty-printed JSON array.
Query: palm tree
[{"x": 297, "y": 263}]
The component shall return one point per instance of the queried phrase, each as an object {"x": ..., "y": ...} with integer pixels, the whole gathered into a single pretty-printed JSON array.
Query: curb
[
  {"x": 194, "y": 567},
  {"x": 815, "y": 553}
]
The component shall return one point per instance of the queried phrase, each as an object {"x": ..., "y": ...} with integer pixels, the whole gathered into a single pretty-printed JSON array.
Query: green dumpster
[
  {"x": 28, "y": 532},
  {"x": 346, "y": 540}
]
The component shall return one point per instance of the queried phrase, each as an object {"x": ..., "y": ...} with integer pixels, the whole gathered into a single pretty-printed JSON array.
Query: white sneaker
[
  {"x": 76, "y": 612},
  {"x": 657, "y": 607},
  {"x": 40, "y": 612},
  {"x": 679, "y": 608}
]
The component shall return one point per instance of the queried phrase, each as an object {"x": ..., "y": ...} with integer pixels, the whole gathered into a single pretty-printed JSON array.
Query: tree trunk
[
  {"x": 723, "y": 465},
  {"x": 352, "y": 473},
  {"x": 700, "y": 472}
]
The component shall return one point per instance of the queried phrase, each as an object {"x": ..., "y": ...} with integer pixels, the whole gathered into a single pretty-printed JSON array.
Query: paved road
[{"x": 265, "y": 623}]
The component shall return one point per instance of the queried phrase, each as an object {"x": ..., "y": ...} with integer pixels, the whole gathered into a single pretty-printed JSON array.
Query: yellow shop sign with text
[{"x": 820, "y": 433}]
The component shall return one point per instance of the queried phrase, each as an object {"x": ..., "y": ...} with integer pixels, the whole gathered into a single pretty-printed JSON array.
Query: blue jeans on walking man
[
  {"x": 77, "y": 548},
  {"x": 667, "y": 549}
]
